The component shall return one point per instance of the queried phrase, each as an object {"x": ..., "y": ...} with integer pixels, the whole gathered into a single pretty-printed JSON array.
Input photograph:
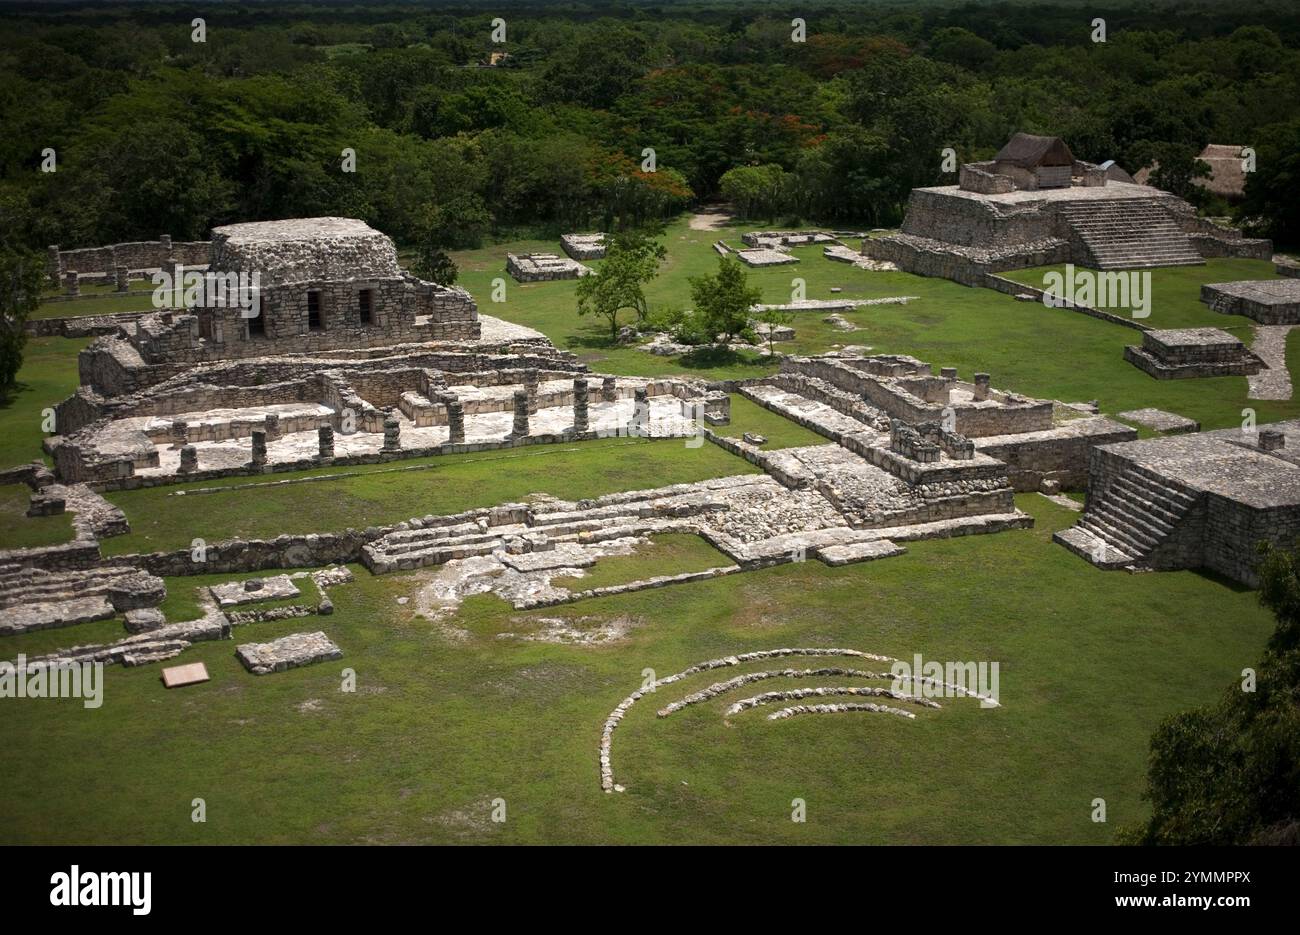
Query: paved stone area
[
  {"x": 1168, "y": 423},
  {"x": 1273, "y": 382}
]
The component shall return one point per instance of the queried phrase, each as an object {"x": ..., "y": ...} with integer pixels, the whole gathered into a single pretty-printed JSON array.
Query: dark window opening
[
  {"x": 257, "y": 326},
  {"x": 364, "y": 304},
  {"x": 313, "y": 311}
]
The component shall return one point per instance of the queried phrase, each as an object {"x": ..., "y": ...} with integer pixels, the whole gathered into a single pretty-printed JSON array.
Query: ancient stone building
[
  {"x": 1034, "y": 204},
  {"x": 301, "y": 286},
  {"x": 1204, "y": 500}
]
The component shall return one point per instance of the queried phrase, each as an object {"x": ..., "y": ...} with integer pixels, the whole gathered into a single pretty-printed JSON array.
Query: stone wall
[{"x": 137, "y": 255}]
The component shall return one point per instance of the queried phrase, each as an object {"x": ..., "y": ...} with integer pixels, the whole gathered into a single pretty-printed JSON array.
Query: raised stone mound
[
  {"x": 544, "y": 267},
  {"x": 1180, "y": 353},
  {"x": 1267, "y": 301},
  {"x": 584, "y": 246},
  {"x": 1166, "y": 423},
  {"x": 288, "y": 652}
]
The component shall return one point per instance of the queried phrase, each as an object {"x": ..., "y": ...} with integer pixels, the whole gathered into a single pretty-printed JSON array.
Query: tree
[
  {"x": 1174, "y": 168},
  {"x": 632, "y": 259},
  {"x": 774, "y": 318},
  {"x": 756, "y": 191},
  {"x": 433, "y": 265},
  {"x": 723, "y": 301},
  {"x": 1230, "y": 773},
  {"x": 21, "y": 275},
  {"x": 1271, "y": 204}
]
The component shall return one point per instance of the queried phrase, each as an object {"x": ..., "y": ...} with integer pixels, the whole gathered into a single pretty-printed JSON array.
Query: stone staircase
[
  {"x": 1129, "y": 233},
  {"x": 1129, "y": 523}
]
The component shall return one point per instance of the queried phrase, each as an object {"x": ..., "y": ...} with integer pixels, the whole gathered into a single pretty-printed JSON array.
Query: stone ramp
[
  {"x": 1129, "y": 233},
  {"x": 1129, "y": 522}
]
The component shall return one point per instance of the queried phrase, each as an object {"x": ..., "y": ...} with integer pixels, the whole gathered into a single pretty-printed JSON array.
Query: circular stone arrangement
[{"x": 718, "y": 688}]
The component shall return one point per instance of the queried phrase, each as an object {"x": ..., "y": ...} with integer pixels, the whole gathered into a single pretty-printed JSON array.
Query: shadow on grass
[{"x": 719, "y": 355}]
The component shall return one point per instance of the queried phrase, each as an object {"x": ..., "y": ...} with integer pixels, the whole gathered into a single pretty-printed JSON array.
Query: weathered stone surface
[
  {"x": 1168, "y": 423},
  {"x": 233, "y": 593},
  {"x": 288, "y": 652}
]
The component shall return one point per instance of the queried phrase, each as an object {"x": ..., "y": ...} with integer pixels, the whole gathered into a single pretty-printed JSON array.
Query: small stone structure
[
  {"x": 544, "y": 267},
  {"x": 584, "y": 246},
  {"x": 775, "y": 239},
  {"x": 1267, "y": 301},
  {"x": 1202, "y": 500},
  {"x": 1178, "y": 353},
  {"x": 1035, "y": 204}
]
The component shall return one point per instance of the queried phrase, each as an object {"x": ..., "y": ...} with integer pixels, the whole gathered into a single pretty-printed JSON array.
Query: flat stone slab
[
  {"x": 189, "y": 674},
  {"x": 144, "y": 620},
  {"x": 46, "y": 615},
  {"x": 274, "y": 588},
  {"x": 564, "y": 555},
  {"x": 761, "y": 257},
  {"x": 288, "y": 652},
  {"x": 1169, "y": 423},
  {"x": 858, "y": 552}
]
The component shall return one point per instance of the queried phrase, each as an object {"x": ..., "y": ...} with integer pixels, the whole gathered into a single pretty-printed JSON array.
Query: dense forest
[{"x": 607, "y": 114}]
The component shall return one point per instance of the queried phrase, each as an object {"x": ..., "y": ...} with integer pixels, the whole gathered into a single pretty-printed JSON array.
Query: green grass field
[
  {"x": 439, "y": 727},
  {"x": 450, "y": 715}
]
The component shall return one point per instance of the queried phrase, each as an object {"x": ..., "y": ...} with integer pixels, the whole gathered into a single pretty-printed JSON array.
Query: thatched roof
[
  {"x": 1226, "y": 177},
  {"x": 1029, "y": 151}
]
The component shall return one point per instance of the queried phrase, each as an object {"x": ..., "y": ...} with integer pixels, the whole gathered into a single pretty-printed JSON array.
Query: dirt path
[{"x": 710, "y": 218}]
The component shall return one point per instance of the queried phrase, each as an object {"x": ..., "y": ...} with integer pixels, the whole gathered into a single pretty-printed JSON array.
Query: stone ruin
[
  {"x": 1265, "y": 301},
  {"x": 1199, "y": 500},
  {"x": 584, "y": 246},
  {"x": 544, "y": 267},
  {"x": 1178, "y": 353},
  {"x": 1034, "y": 204}
]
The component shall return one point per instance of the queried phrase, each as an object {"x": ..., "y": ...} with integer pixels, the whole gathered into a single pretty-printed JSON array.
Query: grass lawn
[
  {"x": 20, "y": 531},
  {"x": 1176, "y": 293},
  {"x": 749, "y": 416},
  {"x": 381, "y": 494},
  {"x": 667, "y": 554},
  {"x": 440, "y": 726},
  {"x": 48, "y": 376}
]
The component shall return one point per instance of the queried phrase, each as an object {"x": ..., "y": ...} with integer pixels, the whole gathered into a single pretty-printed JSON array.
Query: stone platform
[
  {"x": 1267, "y": 301},
  {"x": 1179, "y": 353},
  {"x": 544, "y": 267}
]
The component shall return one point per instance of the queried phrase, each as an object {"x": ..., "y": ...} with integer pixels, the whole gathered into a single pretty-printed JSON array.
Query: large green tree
[
  {"x": 1230, "y": 773},
  {"x": 632, "y": 259},
  {"x": 723, "y": 302},
  {"x": 21, "y": 275}
]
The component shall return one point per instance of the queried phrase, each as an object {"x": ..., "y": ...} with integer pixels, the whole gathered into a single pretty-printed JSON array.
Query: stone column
[
  {"x": 52, "y": 263},
  {"x": 325, "y": 440},
  {"x": 272, "y": 426},
  {"x": 259, "y": 449},
  {"x": 180, "y": 434},
  {"x": 520, "y": 429},
  {"x": 122, "y": 278},
  {"x": 165, "y": 241},
  {"x": 392, "y": 433},
  {"x": 640, "y": 411},
  {"x": 608, "y": 390},
  {"x": 981, "y": 386},
  {"x": 456, "y": 422},
  {"x": 948, "y": 373},
  {"x": 580, "y": 424},
  {"x": 71, "y": 283},
  {"x": 189, "y": 459},
  {"x": 531, "y": 382}
]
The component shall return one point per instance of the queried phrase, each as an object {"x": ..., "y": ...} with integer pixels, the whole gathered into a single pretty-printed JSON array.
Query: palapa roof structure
[{"x": 1029, "y": 151}]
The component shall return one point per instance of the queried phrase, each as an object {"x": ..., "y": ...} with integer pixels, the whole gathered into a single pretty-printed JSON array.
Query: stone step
[
  {"x": 1171, "y": 505},
  {"x": 1092, "y": 548},
  {"x": 1140, "y": 527},
  {"x": 1105, "y": 529}
]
